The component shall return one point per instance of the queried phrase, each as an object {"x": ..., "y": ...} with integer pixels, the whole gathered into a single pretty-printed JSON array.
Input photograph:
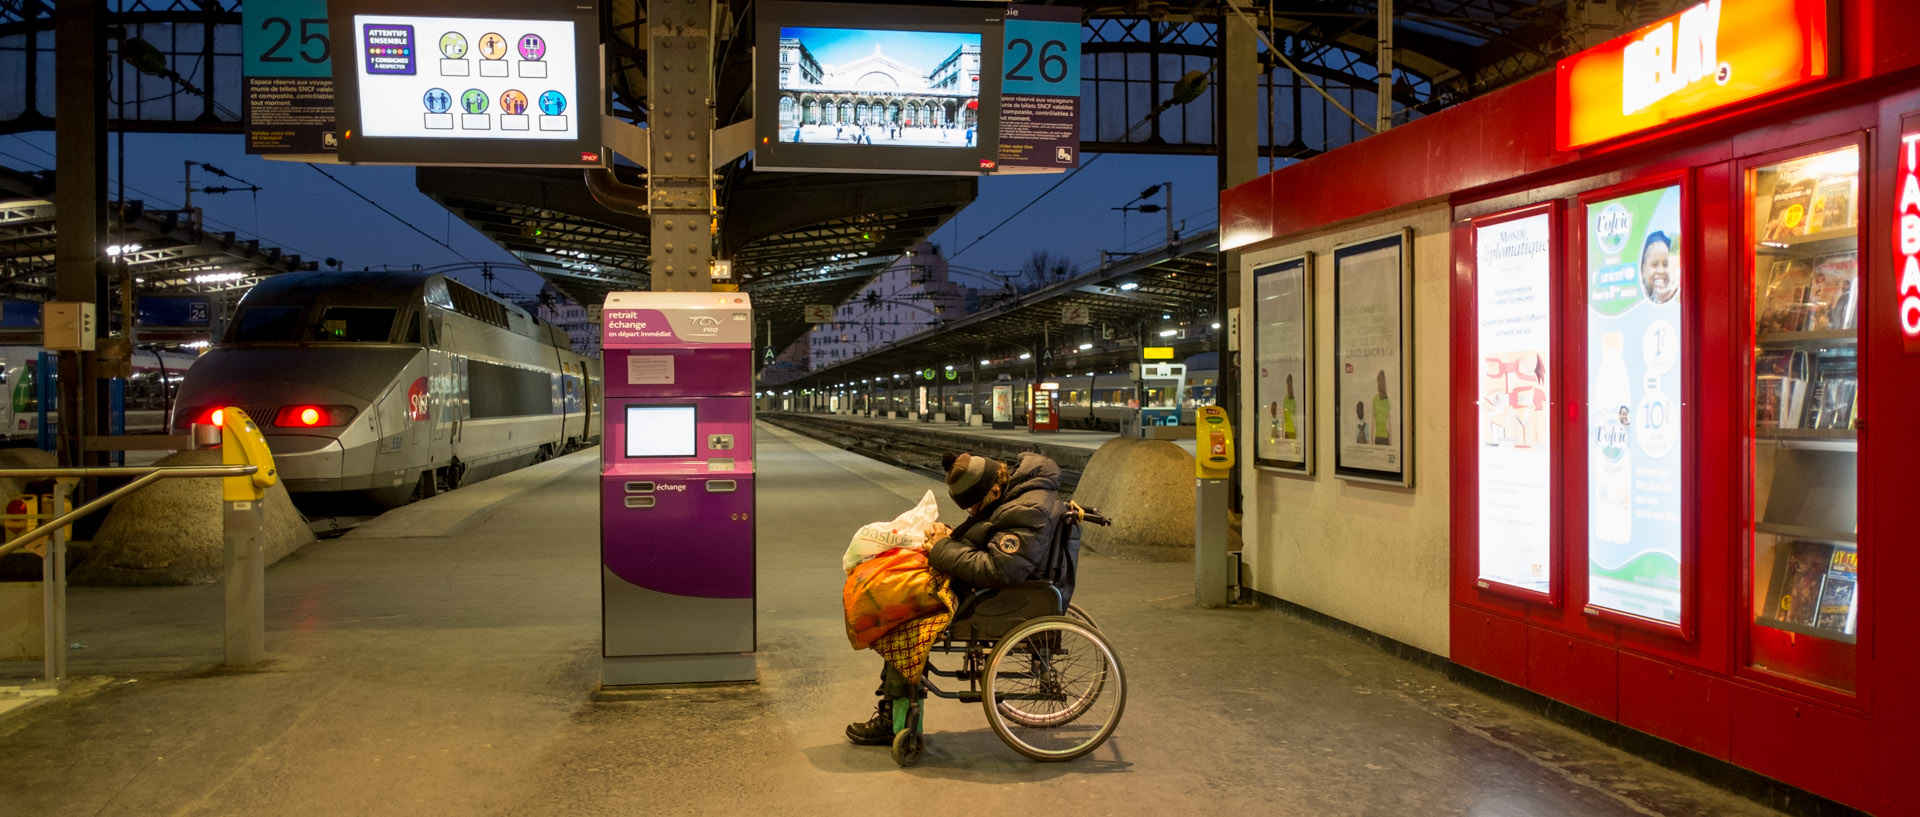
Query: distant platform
[{"x": 1019, "y": 435}]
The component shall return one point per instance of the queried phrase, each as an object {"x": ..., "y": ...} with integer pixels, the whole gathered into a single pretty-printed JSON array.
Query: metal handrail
[{"x": 143, "y": 477}]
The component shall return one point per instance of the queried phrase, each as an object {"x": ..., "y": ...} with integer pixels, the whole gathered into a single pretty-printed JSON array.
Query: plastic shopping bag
[
  {"x": 905, "y": 531},
  {"x": 887, "y": 591}
]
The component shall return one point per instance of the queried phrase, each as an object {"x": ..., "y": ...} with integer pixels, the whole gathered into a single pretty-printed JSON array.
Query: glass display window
[{"x": 1803, "y": 414}]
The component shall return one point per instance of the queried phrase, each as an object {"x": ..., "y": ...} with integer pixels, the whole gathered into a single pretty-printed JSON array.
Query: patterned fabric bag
[{"x": 888, "y": 590}]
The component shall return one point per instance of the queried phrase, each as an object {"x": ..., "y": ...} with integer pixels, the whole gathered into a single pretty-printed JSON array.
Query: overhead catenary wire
[{"x": 390, "y": 213}]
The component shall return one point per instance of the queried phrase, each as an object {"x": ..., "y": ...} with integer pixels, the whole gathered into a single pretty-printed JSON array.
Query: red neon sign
[
  {"x": 1906, "y": 233},
  {"x": 1714, "y": 54}
]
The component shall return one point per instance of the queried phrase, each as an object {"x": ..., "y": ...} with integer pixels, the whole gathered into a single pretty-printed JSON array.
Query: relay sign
[{"x": 475, "y": 78}]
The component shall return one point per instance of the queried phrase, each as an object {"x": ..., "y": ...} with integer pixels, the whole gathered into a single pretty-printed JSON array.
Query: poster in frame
[
  {"x": 1638, "y": 290},
  {"x": 1282, "y": 433},
  {"x": 1372, "y": 331},
  {"x": 1516, "y": 383}
]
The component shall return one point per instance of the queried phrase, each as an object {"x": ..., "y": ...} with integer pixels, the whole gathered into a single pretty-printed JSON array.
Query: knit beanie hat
[{"x": 969, "y": 477}]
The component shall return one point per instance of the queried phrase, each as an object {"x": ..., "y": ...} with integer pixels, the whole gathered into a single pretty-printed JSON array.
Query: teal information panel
[
  {"x": 286, "y": 60},
  {"x": 1040, "y": 88}
]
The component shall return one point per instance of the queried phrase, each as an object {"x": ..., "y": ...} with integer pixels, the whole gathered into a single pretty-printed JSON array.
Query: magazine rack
[{"x": 1804, "y": 418}]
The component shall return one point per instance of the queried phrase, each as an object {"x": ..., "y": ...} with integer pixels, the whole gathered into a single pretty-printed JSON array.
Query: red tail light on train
[{"x": 312, "y": 416}]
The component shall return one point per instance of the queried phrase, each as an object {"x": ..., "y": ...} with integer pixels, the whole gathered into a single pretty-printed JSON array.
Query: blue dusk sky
[{"x": 923, "y": 50}]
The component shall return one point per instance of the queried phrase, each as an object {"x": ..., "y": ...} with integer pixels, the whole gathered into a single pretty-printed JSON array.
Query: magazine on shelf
[
  {"x": 1788, "y": 215},
  {"x": 1779, "y": 389},
  {"x": 1840, "y": 592},
  {"x": 1836, "y": 384},
  {"x": 1832, "y": 292},
  {"x": 1832, "y": 204},
  {"x": 1783, "y": 302},
  {"x": 1799, "y": 573}
]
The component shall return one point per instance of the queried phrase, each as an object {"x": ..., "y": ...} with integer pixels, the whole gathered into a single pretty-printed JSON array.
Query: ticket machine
[{"x": 676, "y": 493}]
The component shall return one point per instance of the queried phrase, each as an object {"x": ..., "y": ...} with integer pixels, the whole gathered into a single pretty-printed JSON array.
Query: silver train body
[
  {"x": 1096, "y": 401},
  {"x": 149, "y": 394},
  {"x": 393, "y": 386}
]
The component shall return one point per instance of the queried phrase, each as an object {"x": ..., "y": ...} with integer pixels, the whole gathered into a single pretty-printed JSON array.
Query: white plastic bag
[{"x": 907, "y": 530}]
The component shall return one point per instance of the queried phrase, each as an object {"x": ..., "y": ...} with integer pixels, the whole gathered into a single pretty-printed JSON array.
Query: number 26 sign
[{"x": 1043, "y": 51}]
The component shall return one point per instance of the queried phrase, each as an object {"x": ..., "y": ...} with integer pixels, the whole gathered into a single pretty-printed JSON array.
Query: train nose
[{"x": 308, "y": 464}]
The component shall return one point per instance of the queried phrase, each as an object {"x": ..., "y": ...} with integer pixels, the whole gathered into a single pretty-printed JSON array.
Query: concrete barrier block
[
  {"x": 22, "y": 621},
  {"x": 169, "y": 533},
  {"x": 1146, "y": 487}
]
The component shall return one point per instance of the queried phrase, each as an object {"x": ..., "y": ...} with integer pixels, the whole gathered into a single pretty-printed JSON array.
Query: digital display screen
[
  {"x": 467, "y": 82},
  {"x": 1513, "y": 310},
  {"x": 870, "y": 87},
  {"x": 661, "y": 431},
  {"x": 466, "y": 77},
  {"x": 865, "y": 88}
]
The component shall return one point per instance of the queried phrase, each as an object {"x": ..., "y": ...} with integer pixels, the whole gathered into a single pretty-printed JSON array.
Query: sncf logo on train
[
  {"x": 1709, "y": 56},
  {"x": 417, "y": 400}
]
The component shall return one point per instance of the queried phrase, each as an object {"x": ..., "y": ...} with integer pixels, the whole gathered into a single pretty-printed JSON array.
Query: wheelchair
[{"x": 1050, "y": 683}]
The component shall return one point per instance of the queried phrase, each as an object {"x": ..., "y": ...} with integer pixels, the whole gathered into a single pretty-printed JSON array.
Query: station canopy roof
[{"x": 167, "y": 252}]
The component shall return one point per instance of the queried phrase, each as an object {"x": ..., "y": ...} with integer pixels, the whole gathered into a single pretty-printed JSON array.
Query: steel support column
[
  {"x": 679, "y": 150},
  {"x": 81, "y": 129},
  {"x": 1383, "y": 117},
  {"x": 1237, "y": 102}
]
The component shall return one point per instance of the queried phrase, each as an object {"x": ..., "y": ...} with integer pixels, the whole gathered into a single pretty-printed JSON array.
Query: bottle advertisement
[
  {"x": 1369, "y": 332},
  {"x": 1513, "y": 305},
  {"x": 1281, "y": 387},
  {"x": 1635, "y": 470}
]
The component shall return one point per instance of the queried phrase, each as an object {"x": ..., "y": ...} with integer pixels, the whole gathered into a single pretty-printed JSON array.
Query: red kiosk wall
[{"x": 1495, "y": 154}]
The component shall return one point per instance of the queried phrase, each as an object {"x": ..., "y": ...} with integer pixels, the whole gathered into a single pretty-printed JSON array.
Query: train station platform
[
  {"x": 1067, "y": 437},
  {"x": 443, "y": 660}
]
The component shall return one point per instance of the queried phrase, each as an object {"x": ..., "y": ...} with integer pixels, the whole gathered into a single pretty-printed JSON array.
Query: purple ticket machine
[{"x": 676, "y": 491}]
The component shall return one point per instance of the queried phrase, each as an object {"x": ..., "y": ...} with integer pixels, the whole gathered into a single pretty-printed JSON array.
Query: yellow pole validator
[
  {"x": 242, "y": 443},
  {"x": 1213, "y": 451},
  {"x": 243, "y": 523}
]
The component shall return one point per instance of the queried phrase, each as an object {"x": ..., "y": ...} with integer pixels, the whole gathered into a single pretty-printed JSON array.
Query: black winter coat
[{"x": 1007, "y": 542}]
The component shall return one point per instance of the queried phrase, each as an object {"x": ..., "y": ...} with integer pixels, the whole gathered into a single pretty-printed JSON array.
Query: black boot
[{"x": 876, "y": 731}]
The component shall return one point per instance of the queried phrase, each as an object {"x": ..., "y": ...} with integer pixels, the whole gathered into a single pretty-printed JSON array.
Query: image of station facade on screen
[{"x": 878, "y": 87}]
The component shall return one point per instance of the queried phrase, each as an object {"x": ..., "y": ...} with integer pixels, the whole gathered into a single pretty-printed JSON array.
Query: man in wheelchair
[{"x": 1013, "y": 515}]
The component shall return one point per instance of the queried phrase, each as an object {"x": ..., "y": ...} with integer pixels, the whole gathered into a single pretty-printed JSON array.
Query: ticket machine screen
[{"x": 661, "y": 431}]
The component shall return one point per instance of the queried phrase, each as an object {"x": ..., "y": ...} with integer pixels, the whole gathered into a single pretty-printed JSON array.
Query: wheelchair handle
[{"x": 1088, "y": 516}]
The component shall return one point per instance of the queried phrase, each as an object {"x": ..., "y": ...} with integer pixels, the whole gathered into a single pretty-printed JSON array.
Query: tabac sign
[
  {"x": 1709, "y": 56},
  {"x": 1906, "y": 233}
]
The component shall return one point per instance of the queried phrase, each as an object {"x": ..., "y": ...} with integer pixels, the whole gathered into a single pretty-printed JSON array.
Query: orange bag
[{"x": 886, "y": 591}]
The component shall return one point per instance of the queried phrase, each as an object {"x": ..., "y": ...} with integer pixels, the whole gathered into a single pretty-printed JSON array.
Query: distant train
[
  {"x": 1087, "y": 401},
  {"x": 393, "y": 386},
  {"x": 148, "y": 394}
]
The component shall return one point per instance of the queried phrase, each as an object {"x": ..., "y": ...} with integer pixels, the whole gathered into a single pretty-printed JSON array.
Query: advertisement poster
[
  {"x": 287, "y": 101},
  {"x": 1369, "y": 387},
  {"x": 1282, "y": 431},
  {"x": 1635, "y": 455},
  {"x": 1040, "y": 88},
  {"x": 1514, "y": 336},
  {"x": 1002, "y": 416}
]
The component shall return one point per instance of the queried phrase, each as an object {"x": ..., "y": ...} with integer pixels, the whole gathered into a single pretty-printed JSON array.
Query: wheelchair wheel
[
  {"x": 1053, "y": 689},
  {"x": 1044, "y": 715},
  {"x": 907, "y": 747},
  {"x": 1074, "y": 612}
]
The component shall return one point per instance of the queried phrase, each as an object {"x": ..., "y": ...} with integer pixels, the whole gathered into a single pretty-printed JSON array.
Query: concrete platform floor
[{"x": 445, "y": 663}]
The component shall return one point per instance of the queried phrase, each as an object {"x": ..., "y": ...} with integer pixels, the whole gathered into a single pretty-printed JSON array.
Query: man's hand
[{"x": 937, "y": 531}]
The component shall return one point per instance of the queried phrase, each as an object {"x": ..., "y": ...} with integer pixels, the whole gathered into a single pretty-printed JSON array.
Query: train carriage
[{"x": 392, "y": 385}]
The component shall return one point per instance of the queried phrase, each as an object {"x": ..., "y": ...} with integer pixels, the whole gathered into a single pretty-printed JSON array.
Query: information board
[
  {"x": 1040, "y": 88},
  {"x": 287, "y": 104},
  {"x": 447, "y": 83},
  {"x": 1635, "y": 448}
]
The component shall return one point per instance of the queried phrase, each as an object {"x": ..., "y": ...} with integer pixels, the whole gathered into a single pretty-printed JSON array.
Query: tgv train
[
  {"x": 393, "y": 386},
  {"x": 1089, "y": 401},
  {"x": 148, "y": 395}
]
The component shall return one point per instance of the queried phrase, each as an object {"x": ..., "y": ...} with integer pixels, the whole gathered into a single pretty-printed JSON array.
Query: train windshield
[
  {"x": 354, "y": 324},
  {"x": 266, "y": 324}
]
